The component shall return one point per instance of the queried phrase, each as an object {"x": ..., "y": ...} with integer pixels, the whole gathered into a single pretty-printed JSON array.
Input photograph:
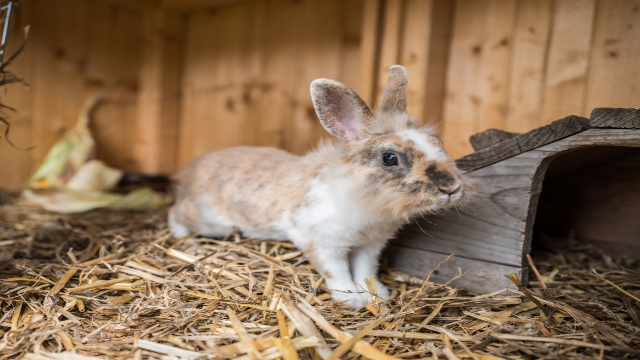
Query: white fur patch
[{"x": 420, "y": 139}]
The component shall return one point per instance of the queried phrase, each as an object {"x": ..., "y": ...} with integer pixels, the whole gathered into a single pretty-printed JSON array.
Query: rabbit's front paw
[
  {"x": 383, "y": 292},
  {"x": 351, "y": 298}
]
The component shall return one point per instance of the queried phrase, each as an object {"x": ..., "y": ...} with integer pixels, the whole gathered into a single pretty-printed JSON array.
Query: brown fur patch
[
  {"x": 442, "y": 178},
  {"x": 250, "y": 187},
  {"x": 309, "y": 252}
]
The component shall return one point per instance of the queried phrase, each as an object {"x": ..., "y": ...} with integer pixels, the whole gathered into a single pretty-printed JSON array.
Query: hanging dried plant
[{"x": 6, "y": 76}]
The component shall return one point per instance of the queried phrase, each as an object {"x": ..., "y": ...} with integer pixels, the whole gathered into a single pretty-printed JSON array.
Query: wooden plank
[
  {"x": 197, "y": 81},
  {"x": 557, "y": 130},
  {"x": 113, "y": 72},
  {"x": 423, "y": 51},
  {"x": 72, "y": 64},
  {"x": 270, "y": 97},
  {"x": 568, "y": 59},
  {"x": 437, "y": 62},
  {"x": 489, "y": 137},
  {"x": 531, "y": 43},
  {"x": 351, "y": 55},
  {"x": 416, "y": 34},
  {"x": 390, "y": 44},
  {"x": 370, "y": 43},
  {"x": 216, "y": 64},
  {"x": 478, "y": 73},
  {"x": 319, "y": 57},
  {"x": 614, "y": 71},
  {"x": 155, "y": 146},
  {"x": 56, "y": 82},
  {"x": 615, "y": 118},
  {"x": 414, "y": 51},
  {"x": 496, "y": 226},
  {"x": 247, "y": 69},
  {"x": 327, "y": 44},
  {"x": 479, "y": 276}
]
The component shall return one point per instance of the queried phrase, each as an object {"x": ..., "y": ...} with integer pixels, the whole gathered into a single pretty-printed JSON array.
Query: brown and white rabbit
[{"x": 340, "y": 203}]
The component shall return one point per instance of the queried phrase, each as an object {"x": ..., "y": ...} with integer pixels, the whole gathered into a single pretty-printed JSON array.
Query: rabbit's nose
[{"x": 451, "y": 188}]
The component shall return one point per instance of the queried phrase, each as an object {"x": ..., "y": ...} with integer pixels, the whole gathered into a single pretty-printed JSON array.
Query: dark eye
[{"x": 389, "y": 159}]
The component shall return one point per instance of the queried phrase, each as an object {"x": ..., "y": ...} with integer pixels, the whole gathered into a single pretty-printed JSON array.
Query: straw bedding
[{"x": 117, "y": 285}]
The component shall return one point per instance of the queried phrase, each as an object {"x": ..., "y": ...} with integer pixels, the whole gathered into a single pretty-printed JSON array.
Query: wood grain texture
[
  {"x": 323, "y": 32},
  {"x": 225, "y": 94},
  {"x": 568, "y": 59},
  {"x": 615, "y": 118},
  {"x": 70, "y": 63},
  {"x": 156, "y": 130},
  {"x": 524, "y": 142},
  {"x": 479, "y": 276},
  {"x": 205, "y": 122},
  {"x": 247, "y": 69},
  {"x": 437, "y": 64},
  {"x": 391, "y": 36},
  {"x": 614, "y": 70},
  {"x": 478, "y": 72},
  {"x": 414, "y": 51},
  {"x": 66, "y": 62},
  {"x": 271, "y": 101},
  {"x": 372, "y": 18},
  {"x": 416, "y": 35},
  {"x": 112, "y": 72},
  {"x": 489, "y": 137},
  {"x": 496, "y": 226},
  {"x": 528, "y": 66}
]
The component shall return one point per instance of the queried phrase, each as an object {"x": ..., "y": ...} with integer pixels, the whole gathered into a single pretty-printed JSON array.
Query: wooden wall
[
  {"x": 246, "y": 71},
  {"x": 517, "y": 65},
  {"x": 184, "y": 77}
]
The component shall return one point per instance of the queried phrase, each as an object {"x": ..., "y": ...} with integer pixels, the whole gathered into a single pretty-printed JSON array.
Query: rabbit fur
[{"x": 340, "y": 203}]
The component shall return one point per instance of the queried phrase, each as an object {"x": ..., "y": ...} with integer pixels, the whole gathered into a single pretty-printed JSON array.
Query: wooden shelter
[{"x": 574, "y": 177}]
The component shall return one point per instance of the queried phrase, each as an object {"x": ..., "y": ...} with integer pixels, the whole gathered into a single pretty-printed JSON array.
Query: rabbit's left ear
[
  {"x": 340, "y": 110},
  {"x": 394, "y": 97}
]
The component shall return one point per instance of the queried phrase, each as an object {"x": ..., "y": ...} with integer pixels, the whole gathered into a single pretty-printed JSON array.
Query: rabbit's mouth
[
  {"x": 442, "y": 202},
  {"x": 454, "y": 198}
]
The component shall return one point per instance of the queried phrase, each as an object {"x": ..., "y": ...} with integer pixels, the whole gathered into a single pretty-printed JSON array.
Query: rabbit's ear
[
  {"x": 394, "y": 97},
  {"x": 340, "y": 110}
]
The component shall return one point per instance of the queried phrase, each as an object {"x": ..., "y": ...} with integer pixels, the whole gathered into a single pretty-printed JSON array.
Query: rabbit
[{"x": 338, "y": 204}]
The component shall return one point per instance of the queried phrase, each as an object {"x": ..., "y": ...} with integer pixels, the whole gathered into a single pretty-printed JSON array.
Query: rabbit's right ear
[
  {"x": 394, "y": 97},
  {"x": 340, "y": 110}
]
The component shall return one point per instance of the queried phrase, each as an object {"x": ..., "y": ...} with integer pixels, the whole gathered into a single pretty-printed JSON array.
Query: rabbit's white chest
[{"x": 332, "y": 218}]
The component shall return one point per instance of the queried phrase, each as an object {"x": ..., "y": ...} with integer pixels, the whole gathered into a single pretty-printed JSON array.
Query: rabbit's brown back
[{"x": 246, "y": 187}]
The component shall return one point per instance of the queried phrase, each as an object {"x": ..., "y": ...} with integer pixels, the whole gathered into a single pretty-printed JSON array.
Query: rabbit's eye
[{"x": 389, "y": 159}]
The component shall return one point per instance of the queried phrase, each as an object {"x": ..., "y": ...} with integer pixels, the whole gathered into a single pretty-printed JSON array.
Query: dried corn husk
[{"x": 69, "y": 180}]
